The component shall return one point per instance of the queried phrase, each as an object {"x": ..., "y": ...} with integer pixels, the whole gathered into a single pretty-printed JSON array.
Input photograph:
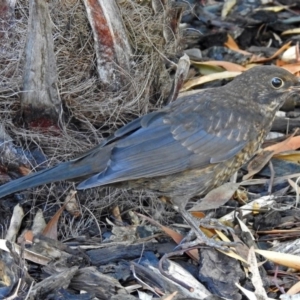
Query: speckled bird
[{"x": 185, "y": 149}]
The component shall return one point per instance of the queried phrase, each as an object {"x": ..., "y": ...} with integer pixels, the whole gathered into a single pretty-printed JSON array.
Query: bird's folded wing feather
[{"x": 164, "y": 143}]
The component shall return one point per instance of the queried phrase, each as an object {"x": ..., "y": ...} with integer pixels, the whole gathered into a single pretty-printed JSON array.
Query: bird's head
[{"x": 268, "y": 86}]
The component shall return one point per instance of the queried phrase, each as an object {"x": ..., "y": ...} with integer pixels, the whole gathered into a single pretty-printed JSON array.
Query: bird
[{"x": 185, "y": 149}]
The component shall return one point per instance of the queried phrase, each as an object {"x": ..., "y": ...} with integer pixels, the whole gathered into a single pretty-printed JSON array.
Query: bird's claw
[
  {"x": 215, "y": 224},
  {"x": 204, "y": 240},
  {"x": 197, "y": 237}
]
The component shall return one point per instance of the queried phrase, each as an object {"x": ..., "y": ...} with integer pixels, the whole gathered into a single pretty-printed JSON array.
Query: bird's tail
[{"x": 63, "y": 171}]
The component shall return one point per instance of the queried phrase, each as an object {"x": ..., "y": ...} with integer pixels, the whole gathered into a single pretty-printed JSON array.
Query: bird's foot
[
  {"x": 199, "y": 236},
  {"x": 210, "y": 223},
  {"x": 201, "y": 239}
]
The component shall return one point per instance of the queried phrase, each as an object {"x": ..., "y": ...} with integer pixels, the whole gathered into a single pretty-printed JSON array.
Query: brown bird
[{"x": 188, "y": 148}]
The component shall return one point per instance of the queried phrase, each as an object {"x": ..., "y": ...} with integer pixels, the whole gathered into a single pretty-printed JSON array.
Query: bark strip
[
  {"x": 40, "y": 101},
  {"x": 111, "y": 44}
]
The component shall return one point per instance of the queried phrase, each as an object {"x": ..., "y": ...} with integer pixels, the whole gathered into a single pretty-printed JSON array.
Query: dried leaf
[
  {"x": 28, "y": 236},
  {"x": 293, "y": 68},
  {"x": 231, "y": 44},
  {"x": 291, "y": 31},
  {"x": 51, "y": 228},
  {"x": 216, "y": 197},
  {"x": 250, "y": 295},
  {"x": 295, "y": 186},
  {"x": 279, "y": 231},
  {"x": 294, "y": 289},
  {"x": 293, "y": 156},
  {"x": 203, "y": 79},
  {"x": 229, "y": 253},
  {"x": 228, "y": 5},
  {"x": 265, "y": 201},
  {"x": 228, "y": 66},
  {"x": 241, "y": 195},
  {"x": 275, "y": 9},
  {"x": 205, "y": 69},
  {"x": 289, "y": 297},
  {"x": 277, "y": 53},
  {"x": 24, "y": 171},
  {"x": 15, "y": 223},
  {"x": 284, "y": 259},
  {"x": 117, "y": 214},
  {"x": 291, "y": 143},
  {"x": 198, "y": 214},
  {"x": 290, "y": 54},
  {"x": 256, "y": 279},
  {"x": 39, "y": 222},
  {"x": 244, "y": 228},
  {"x": 256, "y": 208},
  {"x": 171, "y": 297},
  {"x": 72, "y": 205},
  {"x": 261, "y": 159},
  {"x": 258, "y": 162}
]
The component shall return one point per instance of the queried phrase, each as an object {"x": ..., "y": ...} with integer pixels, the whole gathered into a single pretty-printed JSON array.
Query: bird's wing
[{"x": 168, "y": 142}]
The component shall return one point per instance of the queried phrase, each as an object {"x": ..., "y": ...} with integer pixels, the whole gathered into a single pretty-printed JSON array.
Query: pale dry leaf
[
  {"x": 275, "y": 9},
  {"x": 256, "y": 208},
  {"x": 208, "y": 78},
  {"x": 244, "y": 228},
  {"x": 257, "y": 163},
  {"x": 171, "y": 296},
  {"x": 291, "y": 31},
  {"x": 293, "y": 156},
  {"x": 295, "y": 186},
  {"x": 217, "y": 197},
  {"x": 228, "y": 66},
  {"x": 117, "y": 214},
  {"x": 227, "y": 7},
  {"x": 265, "y": 201},
  {"x": 72, "y": 206},
  {"x": 39, "y": 222},
  {"x": 289, "y": 55},
  {"x": 144, "y": 296},
  {"x": 284, "y": 259},
  {"x": 231, "y": 252},
  {"x": 262, "y": 158},
  {"x": 250, "y": 295},
  {"x": 256, "y": 279},
  {"x": 289, "y": 297},
  {"x": 15, "y": 223},
  {"x": 294, "y": 289}
]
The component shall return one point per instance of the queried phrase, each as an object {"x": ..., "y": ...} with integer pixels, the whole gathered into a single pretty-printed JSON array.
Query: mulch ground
[{"x": 120, "y": 244}]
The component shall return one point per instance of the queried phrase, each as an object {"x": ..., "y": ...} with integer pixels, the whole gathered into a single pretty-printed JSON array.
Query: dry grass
[{"x": 91, "y": 113}]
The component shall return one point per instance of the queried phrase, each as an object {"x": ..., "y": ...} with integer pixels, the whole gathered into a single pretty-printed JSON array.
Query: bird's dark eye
[{"x": 277, "y": 82}]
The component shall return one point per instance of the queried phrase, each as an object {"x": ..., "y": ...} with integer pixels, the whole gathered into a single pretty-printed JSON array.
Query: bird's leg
[{"x": 201, "y": 238}]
